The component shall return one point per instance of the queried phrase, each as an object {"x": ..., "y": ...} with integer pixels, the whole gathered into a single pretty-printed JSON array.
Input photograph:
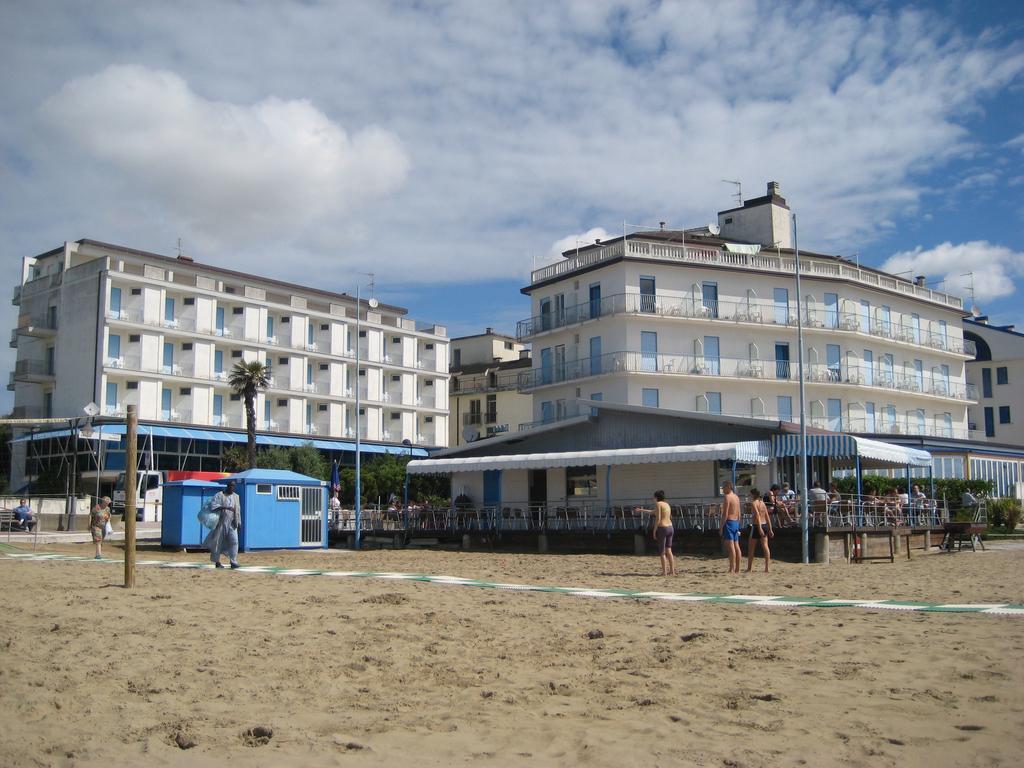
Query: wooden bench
[{"x": 7, "y": 523}]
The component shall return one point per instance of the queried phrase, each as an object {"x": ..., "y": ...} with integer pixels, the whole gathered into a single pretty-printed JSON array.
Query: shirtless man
[
  {"x": 760, "y": 530},
  {"x": 662, "y": 532},
  {"x": 731, "y": 526}
]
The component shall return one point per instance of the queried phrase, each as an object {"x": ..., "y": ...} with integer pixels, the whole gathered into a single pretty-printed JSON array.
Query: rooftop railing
[{"x": 764, "y": 261}]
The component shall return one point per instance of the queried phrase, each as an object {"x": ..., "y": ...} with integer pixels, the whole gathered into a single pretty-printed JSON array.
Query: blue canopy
[{"x": 220, "y": 436}]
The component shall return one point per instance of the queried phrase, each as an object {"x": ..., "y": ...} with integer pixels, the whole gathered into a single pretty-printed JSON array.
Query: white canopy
[
  {"x": 751, "y": 452},
  {"x": 848, "y": 446},
  {"x": 750, "y": 250}
]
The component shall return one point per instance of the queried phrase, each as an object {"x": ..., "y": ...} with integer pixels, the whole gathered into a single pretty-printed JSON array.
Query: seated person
[
  {"x": 779, "y": 507},
  {"x": 892, "y": 507},
  {"x": 23, "y": 520},
  {"x": 787, "y": 494},
  {"x": 817, "y": 493},
  {"x": 918, "y": 497}
]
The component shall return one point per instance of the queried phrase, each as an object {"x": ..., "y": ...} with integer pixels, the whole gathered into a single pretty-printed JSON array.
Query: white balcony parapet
[
  {"x": 763, "y": 261},
  {"x": 114, "y": 362}
]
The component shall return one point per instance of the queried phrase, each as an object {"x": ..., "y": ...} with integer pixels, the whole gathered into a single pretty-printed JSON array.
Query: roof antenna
[
  {"x": 738, "y": 194},
  {"x": 179, "y": 247},
  {"x": 970, "y": 289}
]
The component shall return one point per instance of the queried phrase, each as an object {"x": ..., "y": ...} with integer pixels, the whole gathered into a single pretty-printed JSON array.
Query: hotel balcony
[
  {"x": 40, "y": 326},
  {"x": 763, "y": 261},
  {"x": 484, "y": 382},
  {"x": 842, "y": 374},
  {"x": 31, "y": 370},
  {"x": 752, "y": 311}
]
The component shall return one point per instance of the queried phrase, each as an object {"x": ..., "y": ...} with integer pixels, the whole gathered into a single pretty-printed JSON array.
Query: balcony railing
[
  {"x": 472, "y": 418},
  {"x": 742, "y": 368},
  {"x": 482, "y": 382},
  {"x": 753, "y": 310},
  {"x": 31, "y": 369},
  {"x": 37, "y": 325},
  {"x": 763, "y": 261}
]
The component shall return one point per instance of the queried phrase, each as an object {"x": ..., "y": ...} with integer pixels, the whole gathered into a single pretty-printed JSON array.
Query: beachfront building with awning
[
  {"x": 117, "y": 326},
  {"x": 706, "y": 320}
]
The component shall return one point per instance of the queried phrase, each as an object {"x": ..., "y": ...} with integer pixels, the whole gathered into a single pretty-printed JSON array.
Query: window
[
  {"x": 135, "y": 291},
  {"x": 237, "y": 310},
  {"x": 236, "y": 398},
  {"x": 1002, "y": 376},
  {"x": 709, "y": 295},
  {"x": 264, "y": 489},
  {"x": 428, "y": 346},
  {"x": 396, "y": 377},
  {"x": 325, "y": 327},
  {"x": 782, "y": 370},
  {"x": 650, "y": 398},
  {"x": 491, "y": 414},
  {"x": 428, "y": 419},
  {"x": 362, "y": 371},
  {"x": 282, "y": 403},
  {"x": 362, "y": 334},
  {"x": 714, "y": 402},
  {"x": 648, "y": 351},
  {"x": 547, "y": 411},
  {"x": 784, "y": 405},
  {"x": 456, "y": 358},
  {"x": 835, "y": 414},
  {"x": 322, "y": 408},
  {"x": 508, "y": 345},
  {"x": 869, "y": 417},
  {"x": 111, "y": 396},
  {"x": 282, "y": 361},
  {"x": 187, "y": 346},
  {"x": 831, "y": 310},
  {"x": 169, "y": 310},
  {"x": 396, "y": 416},
  {"x": 135, "y": 338},
  {"x": 132, "y": 385},
  {"x": 781, "y": 297},
  {"x": 990, "y": 423},
  {"x": 580, "y": 483},
  {"x": 288, "y": 493},
  {"x": 712, "y": 360},
  {"x": 648, "y": 302},
  {"x": 185, "y": 391},
  {"x": 285, "y": 320},
  {"x": 986, "y": 382},
  {"x": 396, "y": 339},
  {"x": 428, "y": 383},
  {"x": 833, "y": 356},
  {"x": 1004, "y": 414},
  {"x": 324, "y": 366},
  {"x": 728, "y": 219},
  {"x": 595, "y": 355},
  {"x": 189, "y": 301},
  {"x": 113, "y": 345},
  {"x": 865, "y": 316},
  {"x": 236, "y": 353}
]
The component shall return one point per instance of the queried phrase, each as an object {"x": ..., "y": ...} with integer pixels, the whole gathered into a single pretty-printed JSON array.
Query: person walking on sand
[
  {"x": 98, "y": 519},
  {"x": 224, "y": 536},
  {"x": 731, "y": 526},
  {"x": 662, "y": 532},
  {"x": 760, "y": 530}
]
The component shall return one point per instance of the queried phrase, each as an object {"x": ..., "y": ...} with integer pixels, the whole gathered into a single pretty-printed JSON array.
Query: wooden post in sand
[{"x": 130, "y": 493}]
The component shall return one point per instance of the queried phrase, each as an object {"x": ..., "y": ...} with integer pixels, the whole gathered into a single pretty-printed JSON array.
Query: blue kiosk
[
  {"x": 281, "y": 509},
  {"x": 182, "y": 500}
]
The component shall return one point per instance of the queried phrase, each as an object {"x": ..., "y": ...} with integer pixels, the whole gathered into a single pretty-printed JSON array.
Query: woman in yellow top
[
  {"x": 662, "y": 532},
  {"x": 98, "y": 519}
]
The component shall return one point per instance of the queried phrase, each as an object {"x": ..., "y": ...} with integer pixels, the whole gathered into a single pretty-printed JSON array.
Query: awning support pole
[
  {"x": 909, "y": 495},
  {"x": 608, "y": 495},
  {"x": 860, "y": 500}
]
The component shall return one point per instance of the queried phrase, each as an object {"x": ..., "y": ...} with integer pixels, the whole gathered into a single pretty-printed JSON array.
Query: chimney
[
  {"x": 598, "y": 241},
  {"x": 183, "y": 257},
  {"x": 489, "y": 331},
  {"x": 773, "y": 189},
  {"x": 919, "y": 280},
  {"x": 661, "y": 225}
]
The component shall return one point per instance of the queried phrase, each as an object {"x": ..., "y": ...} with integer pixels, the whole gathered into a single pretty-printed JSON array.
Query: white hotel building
[
  {"x": 706, "y": 321},
  {"x": 116, "y": 326}
]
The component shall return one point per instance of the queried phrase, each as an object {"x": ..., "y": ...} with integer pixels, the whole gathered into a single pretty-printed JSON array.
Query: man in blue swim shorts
[{"x": 731, "y": 526}]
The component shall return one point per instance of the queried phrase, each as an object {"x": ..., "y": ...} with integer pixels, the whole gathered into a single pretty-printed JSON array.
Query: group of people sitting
[{"x": 783, "y": 502}]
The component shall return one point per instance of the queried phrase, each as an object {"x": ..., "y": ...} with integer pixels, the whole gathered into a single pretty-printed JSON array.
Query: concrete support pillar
[
  {"x": 639, "y": 544},
  {"x": 465, "y": 541},
  {"x": 927, "y": 541},
  {"x": 821, "y": 548},
  {"x": 542, "y": 543}
]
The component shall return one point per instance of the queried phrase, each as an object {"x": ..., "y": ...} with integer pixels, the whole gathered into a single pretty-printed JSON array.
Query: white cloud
[
  {"x": 976, "y": 180},
  {"x": 994, "y": 267},
  {"x": 226, "y": 171},
  {"x": 578, "y": 240},
  {"x": 500, "y": 126},
  {"x": 1016, "y": 141}
]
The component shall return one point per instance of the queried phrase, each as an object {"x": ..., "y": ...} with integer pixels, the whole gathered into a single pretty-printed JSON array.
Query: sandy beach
[{"x": 341, "y": 671}]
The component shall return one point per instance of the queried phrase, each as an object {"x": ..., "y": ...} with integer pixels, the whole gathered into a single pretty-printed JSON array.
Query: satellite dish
[
  {"x": 373, "y": 303},
  {"x": 471, "y": 434},
  {"x": 91, "y": 409},
  {"x": 714, "y": 229}
]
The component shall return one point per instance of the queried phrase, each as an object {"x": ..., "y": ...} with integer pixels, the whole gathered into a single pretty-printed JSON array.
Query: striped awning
[
  {"x": 849, "y": 446},
  {"x": 748, "y": 452}
]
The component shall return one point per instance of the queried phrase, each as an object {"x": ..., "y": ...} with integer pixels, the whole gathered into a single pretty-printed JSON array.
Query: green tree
[
  {"x": 275, "y": 457},
  {"x": 234, "y": 458},
  {"x": 306, "y": 459},
  {"x": 247, "y": 379}
]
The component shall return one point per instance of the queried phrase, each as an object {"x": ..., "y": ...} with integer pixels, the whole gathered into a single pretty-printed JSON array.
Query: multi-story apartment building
[
  {"x": 706, "y": 320},
  {"x": 484, "y": 397},
  {"x": 116, "y": 326},
  {"x": 997, "y": 370}
]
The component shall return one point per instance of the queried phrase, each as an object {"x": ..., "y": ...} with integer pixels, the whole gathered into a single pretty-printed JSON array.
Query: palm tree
[{"x": 248, "y": 378}]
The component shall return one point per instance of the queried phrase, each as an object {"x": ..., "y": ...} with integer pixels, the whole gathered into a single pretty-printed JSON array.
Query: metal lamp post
[
  {"x": 372, "y": 303},
  {"x": 804, "y": 517}
]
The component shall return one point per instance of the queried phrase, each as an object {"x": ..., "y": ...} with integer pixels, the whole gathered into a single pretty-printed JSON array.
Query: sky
[{"x": 448, "y": 147}]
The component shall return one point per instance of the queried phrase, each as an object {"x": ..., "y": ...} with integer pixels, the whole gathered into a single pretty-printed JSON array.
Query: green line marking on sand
[{"x": 779, "y": 601}]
